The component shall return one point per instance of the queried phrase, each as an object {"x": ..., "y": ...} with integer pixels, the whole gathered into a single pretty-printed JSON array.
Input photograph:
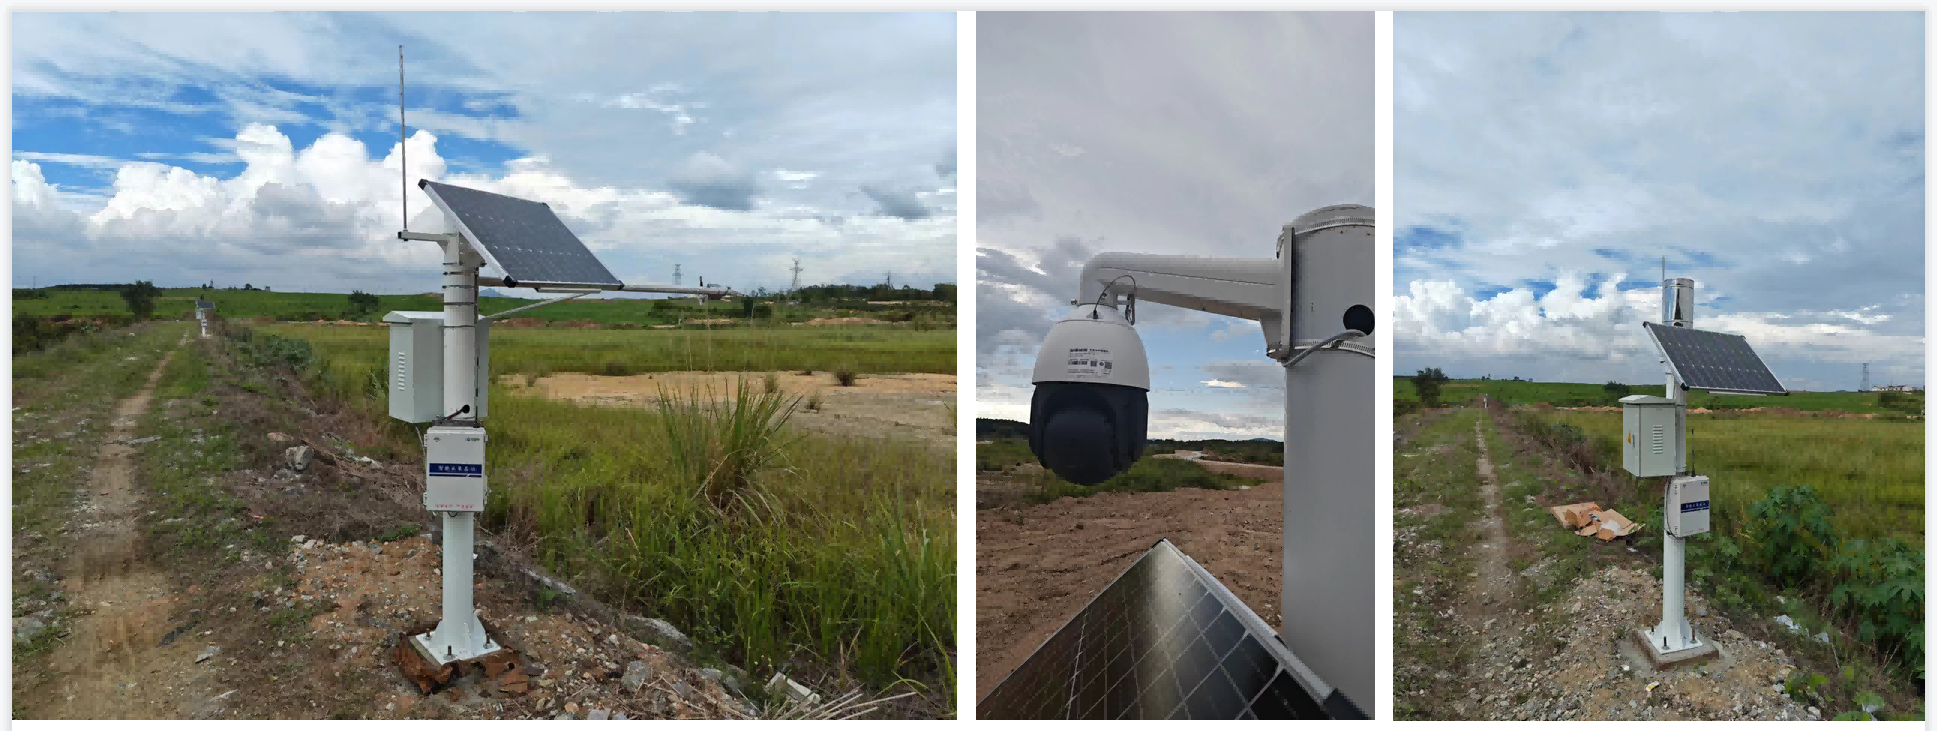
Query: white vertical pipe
[
  {"x": 458, "y": 634},
  {"x": 459, "y": 629},
  {"x": 1678, "y": 310},
  {"x": 460, "y": 328},
  {"x": 1329, "y": 578}
]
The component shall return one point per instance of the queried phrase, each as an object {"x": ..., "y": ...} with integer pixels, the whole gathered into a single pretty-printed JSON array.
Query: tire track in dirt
[
  {"x": 1493, "y": 579},
  {"x": 114, "y": 664}
]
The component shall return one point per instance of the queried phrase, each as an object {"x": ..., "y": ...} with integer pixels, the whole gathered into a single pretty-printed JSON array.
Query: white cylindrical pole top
[{"x": 1329, "y": 592}]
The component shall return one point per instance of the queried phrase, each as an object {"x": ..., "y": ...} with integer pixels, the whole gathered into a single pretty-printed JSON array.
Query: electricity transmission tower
[
  {"x": 1866, "y": 377},
  {"x": 796, "y": 285},
  {"x": 675, "y": 275}
]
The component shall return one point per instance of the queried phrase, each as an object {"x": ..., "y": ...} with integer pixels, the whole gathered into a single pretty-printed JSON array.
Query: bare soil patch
[
  {"x": 900, "y": 405},
  {"x": 1037, "y": 566}
]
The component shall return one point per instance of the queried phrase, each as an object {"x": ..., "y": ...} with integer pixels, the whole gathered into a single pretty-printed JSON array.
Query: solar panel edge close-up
[{"x": 1161, "y": 641}]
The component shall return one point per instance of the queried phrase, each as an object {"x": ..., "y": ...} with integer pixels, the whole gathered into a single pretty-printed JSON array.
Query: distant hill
[{"x": 1001, "y": 429}]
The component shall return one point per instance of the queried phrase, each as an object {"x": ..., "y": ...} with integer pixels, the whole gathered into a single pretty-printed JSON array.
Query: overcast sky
[
  {"x": 262, "y": 148},
  {"x": 1546, "y": 162},
  {"x": 1181, "y": 133}
]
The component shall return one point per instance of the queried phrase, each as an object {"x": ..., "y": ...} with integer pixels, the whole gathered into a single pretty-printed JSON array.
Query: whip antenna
[{"x": 403, "y": 141}]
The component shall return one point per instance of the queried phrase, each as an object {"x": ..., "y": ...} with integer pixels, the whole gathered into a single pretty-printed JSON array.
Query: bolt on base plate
[
  {"x": 439, "y": 650},
  {"x": 1702, "y": 651},
  {"x": 430, "y": 673}
]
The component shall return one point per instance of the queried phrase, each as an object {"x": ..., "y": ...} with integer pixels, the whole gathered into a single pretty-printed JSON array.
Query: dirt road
[
  {"x": 1500, "y": 614},
  {"x": 181, "y": 583},
  {"x": 113, "y": 665},
  {"x": 1036, "y": 566}
]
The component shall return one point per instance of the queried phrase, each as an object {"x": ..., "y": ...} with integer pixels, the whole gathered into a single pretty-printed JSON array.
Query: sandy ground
[
  {"x": 1037, "y": 566},
  {"x": 902, "y": 405}
]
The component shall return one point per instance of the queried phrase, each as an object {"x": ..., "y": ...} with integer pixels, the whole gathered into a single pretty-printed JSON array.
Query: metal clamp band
[{"x": 1335, "y": 342}]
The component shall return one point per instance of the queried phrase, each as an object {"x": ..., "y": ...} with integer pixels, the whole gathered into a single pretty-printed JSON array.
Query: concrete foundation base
[{"x": 1707, "y": 652}]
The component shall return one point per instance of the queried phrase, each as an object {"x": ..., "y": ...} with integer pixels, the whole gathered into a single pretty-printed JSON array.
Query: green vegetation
[
  {"x": 912, "y": 308},
  {"x": 774, "y": 545},
  {"x": 1870, "y": 472},
  {"x": 1459, "y": 391},
  {"x": 140, "y": 298},
  {"x": 542, "y": 351},
  {"x": 1827, "y": 510},
  {"x": 1432, "y": 501},
  {"x": 1426, "y": 384},
  {"x": 1150, "y": 474},
  {"x": 181, "y": 471}
]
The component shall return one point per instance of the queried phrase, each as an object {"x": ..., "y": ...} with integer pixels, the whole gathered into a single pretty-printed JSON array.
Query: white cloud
[
  {"x": 1563, "y": 149},
  {"x": 325, "y": 216}
]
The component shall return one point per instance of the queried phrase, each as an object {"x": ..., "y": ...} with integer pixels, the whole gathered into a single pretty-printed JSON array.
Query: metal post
[
  {"x": 459, "y": 634},
  {"x": 1329, "y": 580},
  {"x": 1674, "y": 632}
]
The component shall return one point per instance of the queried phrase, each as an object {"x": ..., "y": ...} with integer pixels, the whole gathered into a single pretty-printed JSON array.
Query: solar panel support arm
[
  {"x": 421, "y": 236},
  {"x": 500, "y": 315}
]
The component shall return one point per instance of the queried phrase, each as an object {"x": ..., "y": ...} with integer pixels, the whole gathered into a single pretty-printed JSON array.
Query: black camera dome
[{"x": 1088, "y": 432}]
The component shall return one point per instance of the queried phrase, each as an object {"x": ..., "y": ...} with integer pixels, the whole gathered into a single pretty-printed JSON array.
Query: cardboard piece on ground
[
  {"x": 1573, "y": 517},
  {"x": 1607, "y": 525}
]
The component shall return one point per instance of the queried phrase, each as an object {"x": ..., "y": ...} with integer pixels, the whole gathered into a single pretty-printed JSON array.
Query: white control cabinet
[
  {"x": 1648, "y": 436},
  {"x": 416, "y": 367},
  {"x": 454, "y": 468},
  {"x": 1688, "y": 506}
]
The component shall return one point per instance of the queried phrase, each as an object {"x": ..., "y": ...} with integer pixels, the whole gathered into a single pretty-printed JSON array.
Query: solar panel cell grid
[
  {"x": 523, "y": 238},
  {"x": 1714, "y": 361},
  {"x": 1157, "y": 643}
]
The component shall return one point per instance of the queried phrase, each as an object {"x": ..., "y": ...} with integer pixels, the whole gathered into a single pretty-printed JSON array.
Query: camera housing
[{"x": 1091, "y": 409}]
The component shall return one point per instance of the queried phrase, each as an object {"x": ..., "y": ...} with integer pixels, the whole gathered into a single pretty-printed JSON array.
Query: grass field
[
  {"x": 775, "y": 546},
  {"x": 1870, "y": 471},
  {"x": 288, "y": 306},
  {"x": 1149, "y": 474},
  {"x": 540, "y": 351},
  {"x": 1594, "y": 394}
]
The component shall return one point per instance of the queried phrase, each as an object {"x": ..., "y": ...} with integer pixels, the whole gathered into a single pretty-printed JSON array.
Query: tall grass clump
[
  {"x": 774, "y": 545},
  {"x": 720, "y": 447}
]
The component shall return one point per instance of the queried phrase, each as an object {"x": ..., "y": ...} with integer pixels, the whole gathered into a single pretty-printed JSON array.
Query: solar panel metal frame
[
  {"x": 512, "y": 257},
  {"x": 1086, "y": 696},
  {"x": 1695, "y": 375}
]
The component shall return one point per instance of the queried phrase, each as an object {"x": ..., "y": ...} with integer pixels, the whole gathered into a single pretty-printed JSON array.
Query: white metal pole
[
  {"x": 459, "y": 635},
  {"x": 1674, "y": 632},
  {"x": 1327, "y": 600}
]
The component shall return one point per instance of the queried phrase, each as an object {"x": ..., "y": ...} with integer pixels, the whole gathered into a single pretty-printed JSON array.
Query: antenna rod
[{"x": 403, "y": 140}]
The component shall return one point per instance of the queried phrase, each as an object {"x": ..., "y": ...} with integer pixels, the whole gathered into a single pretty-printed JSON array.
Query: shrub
[
  {"x": 1882, "y": 593},
  {"x": 140, "y": 297},
  {"x": 1789, "y": 534},
  {"x": 1426, "y": 383},
  {"x": 845, "y": 376}
]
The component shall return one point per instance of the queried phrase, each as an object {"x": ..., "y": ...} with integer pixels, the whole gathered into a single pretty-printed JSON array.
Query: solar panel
[
  {"x": 522, "y": 238},
  {"x": 1163, "y": 641},
  {"x": 1714, "y": 361}
]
